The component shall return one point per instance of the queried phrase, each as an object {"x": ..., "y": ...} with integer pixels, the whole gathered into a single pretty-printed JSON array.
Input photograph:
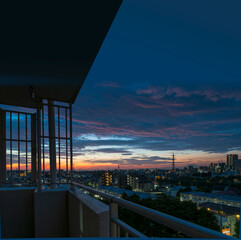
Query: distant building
[
  {"x": 156, "y": 185},
  {"x": 227, "y": 216},
  {"x": 106, "y": 179},
  {"x": 201, "y": 197},
  {"x": 157, "y": 178},
  {"x": 139, "y": 182},
  {"x": 147, "y": 187},
  {"x": 231, "y": 159},
  {"x": 122, "y": 181},
  {"x": 172, "y": 191},
  {"x": 212, "y": 166},
  {"x": 117, "y": 192},
  {"x": 237, "y": 164},
  {"x": 219, "y": 168},
  {"x": 190, "y": 169},
  {"x": 203, "y": 169},
  {"x": 219, "y": 188}
]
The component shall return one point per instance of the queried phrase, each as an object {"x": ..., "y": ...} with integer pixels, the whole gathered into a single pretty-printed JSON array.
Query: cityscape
[
  {"x": 215, "y": 188},
  {"x": 120, "y": 119}
]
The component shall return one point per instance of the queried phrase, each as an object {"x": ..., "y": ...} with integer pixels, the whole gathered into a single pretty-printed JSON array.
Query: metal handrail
[
  {"x": 132, "y": 231},
  {"x": 0, "y": 226},
  {"x": 188, "y": 228}
]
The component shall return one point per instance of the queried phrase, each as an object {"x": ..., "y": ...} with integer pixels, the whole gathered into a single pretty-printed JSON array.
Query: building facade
[
  {"x": 200, "y": 197},
  {"x": 231, "y": 159},
  {"x": 106, "y": 179}
]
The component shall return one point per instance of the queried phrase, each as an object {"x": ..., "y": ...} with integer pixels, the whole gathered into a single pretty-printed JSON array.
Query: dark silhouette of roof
[
  {"x": 48, "y": 47},
  {"x": 228, "y": 210},
  {"x": 219, "y": 187}
]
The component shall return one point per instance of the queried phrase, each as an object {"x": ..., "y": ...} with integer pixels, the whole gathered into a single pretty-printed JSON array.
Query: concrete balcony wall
[
  {"x": 28, "y": 213},
  {"x": 51, "y": 213},
  {"x": 63, "y": 213},
  {"x": 17, "y": 212},
  {"x": 88, "y": 217}
]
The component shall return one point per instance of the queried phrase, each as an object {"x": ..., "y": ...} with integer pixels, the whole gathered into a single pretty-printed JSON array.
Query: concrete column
[
  {"x": 2, "y": 147},
  {"x": 33, "y": 149},
  {"x": 52, "y": 144},
  {"x": 71, "y": 146},
  {"x": 113, "y": 214},
  {"x": 39, "y": 148}
]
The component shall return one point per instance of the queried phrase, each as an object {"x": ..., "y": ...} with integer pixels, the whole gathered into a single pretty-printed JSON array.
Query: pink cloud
[
  {"x": 109, "y": 84},
  {"x": 214, "y": 95},
  {"x": 181, "y": 131}
]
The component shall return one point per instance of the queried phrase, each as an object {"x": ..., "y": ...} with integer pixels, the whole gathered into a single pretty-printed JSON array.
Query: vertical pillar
[
  {"x": 39, "y": 148},
  {"x": 2, "y": 147},
  {"x": 33, "y": 149},
  {"x": 18, "y": 147},
  {"x": 52, "y": 144},
  {"x": 71, "y": 144},
  {"x": 113, "y": 214},
  {"x": 66, "y": 146}
]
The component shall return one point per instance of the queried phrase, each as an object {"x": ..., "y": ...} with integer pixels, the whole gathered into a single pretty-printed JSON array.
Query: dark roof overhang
[{"x": 48, "y": 47}]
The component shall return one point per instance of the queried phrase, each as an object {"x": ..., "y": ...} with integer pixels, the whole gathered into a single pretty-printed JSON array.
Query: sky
[{"x": 166, "y": 80}]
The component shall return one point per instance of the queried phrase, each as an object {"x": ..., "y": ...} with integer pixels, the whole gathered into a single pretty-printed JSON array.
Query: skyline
[{"x": 113, "y": 167}]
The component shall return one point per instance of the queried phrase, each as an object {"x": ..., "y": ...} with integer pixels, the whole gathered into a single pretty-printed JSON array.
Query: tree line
[{"x": 185, "y": 210}]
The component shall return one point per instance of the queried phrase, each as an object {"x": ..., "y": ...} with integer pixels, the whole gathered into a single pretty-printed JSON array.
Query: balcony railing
[{"x": 190, "y": 229}]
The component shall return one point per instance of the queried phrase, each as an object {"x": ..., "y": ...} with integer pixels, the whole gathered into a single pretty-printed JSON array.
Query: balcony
[
  {"x": 45, "y": 69},
  {"x": 68, "y": 211},
  {"x": 37, "y": 202}
]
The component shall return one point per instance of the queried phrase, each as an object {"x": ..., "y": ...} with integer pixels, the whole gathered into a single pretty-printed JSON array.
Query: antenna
[{"x": 173, "y": 161}]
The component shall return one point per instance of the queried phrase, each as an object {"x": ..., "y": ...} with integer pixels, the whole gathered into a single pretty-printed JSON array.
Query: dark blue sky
[{"x": 167, "y": 79}]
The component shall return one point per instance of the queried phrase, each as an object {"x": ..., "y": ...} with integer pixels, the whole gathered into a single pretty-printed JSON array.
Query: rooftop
[
  {"x": 229, "y": 210},
  {"x": 119, "y": 191},
  {"x": 212, "y": 195}
]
